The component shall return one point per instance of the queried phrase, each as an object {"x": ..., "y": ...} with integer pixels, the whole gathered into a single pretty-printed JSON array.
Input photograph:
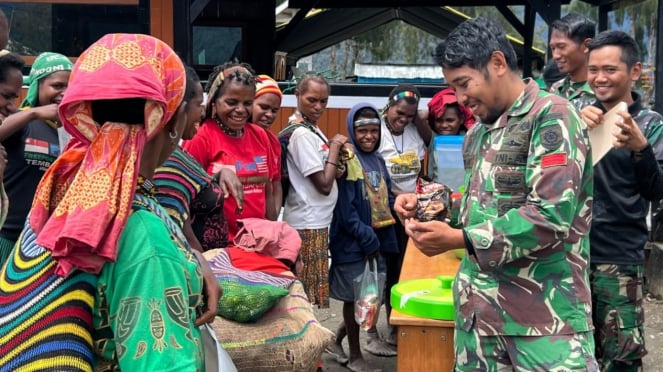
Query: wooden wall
[
  {"x": 331, "y": 122},
  {"x": 161, "y": 21}
]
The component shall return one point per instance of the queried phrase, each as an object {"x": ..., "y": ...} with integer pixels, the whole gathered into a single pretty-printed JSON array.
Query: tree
[
  {"x": 494, "y": 14},
  {"x": 641, "y": 22},
  {"x": 583, "y": 8}
]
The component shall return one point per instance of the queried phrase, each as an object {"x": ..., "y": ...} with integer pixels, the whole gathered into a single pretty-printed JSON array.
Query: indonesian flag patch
[{"x": 553, "y": 160}]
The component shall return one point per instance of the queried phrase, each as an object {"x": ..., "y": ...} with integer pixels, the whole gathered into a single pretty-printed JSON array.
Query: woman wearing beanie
[
  {"x": 30, "y": 137},
  {"x": 266, "y": 106}
]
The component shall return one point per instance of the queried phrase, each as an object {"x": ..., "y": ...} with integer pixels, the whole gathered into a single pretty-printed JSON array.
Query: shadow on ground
[{"x": 653, "y": 362}]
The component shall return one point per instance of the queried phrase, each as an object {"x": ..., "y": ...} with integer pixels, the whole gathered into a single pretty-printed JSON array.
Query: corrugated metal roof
[{"x": 398, "y": 71}]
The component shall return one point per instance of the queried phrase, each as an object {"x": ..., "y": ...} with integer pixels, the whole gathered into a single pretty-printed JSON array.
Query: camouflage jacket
[
  {"x": 526, "y": 213},
  {"x": 623, "y": 190},
  {"x": 579, "y": 94}
]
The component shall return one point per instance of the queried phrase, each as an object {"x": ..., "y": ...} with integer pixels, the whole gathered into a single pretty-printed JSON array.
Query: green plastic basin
[{"x": 425, "y": 298}]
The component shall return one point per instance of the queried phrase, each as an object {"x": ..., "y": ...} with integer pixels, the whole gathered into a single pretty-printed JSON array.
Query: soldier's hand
[
  {"x": 630, "y": 136},
  {"x": 433, "y": 237},
  {"x": 592, "y": 116},
  {"x": 405, "y": 206}
]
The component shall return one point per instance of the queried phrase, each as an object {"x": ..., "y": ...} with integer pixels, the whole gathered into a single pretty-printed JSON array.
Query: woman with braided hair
[{"x": 227, "y": 140}]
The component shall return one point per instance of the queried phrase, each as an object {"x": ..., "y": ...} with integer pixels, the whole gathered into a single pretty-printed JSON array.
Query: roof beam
[
  {"x": 197, "y": 7},
  {"x": 515, "y": 22},
  {"x": 409, "y": 3},
  {"x": 294, "y": 22}
]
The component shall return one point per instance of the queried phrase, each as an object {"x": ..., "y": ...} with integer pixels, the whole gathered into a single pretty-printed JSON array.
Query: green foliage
[
  {"x": 395, "y": 40},
  {"x": 581, "y": 7},
  {"x": 374, "y": 42},
  {"x": 494, "y": 14},
  {"x": 641, "y": 19}
]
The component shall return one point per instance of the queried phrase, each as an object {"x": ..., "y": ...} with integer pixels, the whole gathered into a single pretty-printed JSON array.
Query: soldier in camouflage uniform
[
  {"x": 521, "y": 295},
  {"x": 626, "y": 180},
  {"x": 568, "y": 44}
]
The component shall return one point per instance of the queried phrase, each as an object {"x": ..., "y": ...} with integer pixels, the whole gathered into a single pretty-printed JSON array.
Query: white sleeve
[{"x": 307, "y": 151}]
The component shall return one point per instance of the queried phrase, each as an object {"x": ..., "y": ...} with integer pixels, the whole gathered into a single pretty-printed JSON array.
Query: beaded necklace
[
  {"x": 228, "y": 131},
  {"x": 393, "y": 133}
]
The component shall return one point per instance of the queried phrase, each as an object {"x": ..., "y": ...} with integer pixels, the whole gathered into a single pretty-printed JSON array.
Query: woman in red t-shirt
[{"x": 227, "y": 140}]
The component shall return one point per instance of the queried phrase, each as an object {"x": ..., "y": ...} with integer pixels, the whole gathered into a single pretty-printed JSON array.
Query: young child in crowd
[
  {"x": 361, "y": 229},
  {"x": 446, "y": 116}
]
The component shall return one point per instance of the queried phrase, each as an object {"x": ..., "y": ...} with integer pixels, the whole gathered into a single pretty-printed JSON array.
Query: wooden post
[{"x": 654, "y": 270}]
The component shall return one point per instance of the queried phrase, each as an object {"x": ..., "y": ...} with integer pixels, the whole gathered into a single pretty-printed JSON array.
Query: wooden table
[{"x": 425, "y": 344}]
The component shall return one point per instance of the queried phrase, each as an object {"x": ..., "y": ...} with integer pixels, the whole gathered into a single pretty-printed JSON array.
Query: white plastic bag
[
  {"x": 369, "y": 287},
  {"x": 216, "y": 358}
]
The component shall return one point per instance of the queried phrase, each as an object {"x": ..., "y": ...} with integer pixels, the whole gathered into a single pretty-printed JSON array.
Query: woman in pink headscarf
[{"x": 99, "y": 262}]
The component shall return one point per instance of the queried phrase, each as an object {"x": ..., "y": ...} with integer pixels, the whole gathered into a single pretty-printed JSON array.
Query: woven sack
[{"x": 286, "y": 338}]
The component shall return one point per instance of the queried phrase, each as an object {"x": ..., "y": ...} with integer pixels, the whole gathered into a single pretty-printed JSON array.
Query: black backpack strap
[{"x": 286, "y": 132}]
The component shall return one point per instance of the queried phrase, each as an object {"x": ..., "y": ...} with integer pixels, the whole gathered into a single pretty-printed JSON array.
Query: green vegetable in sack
[{"x": 244, "y": 301}]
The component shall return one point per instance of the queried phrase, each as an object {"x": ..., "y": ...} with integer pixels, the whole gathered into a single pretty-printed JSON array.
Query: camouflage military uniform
[
  {"x": 624, "y": 186},
  {"x": 522, "y": 293},
  {"x": 579, "y": 94}
]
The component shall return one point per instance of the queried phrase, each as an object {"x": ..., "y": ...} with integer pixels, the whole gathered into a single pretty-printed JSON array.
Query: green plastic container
[{"x": 425, "y": 298}]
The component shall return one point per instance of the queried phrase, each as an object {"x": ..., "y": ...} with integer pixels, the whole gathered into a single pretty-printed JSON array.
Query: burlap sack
[{"x": 286, "y": 338}]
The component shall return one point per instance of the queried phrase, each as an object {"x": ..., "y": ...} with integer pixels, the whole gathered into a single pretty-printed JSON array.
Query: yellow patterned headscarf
[{"x": 84, "y": 199}]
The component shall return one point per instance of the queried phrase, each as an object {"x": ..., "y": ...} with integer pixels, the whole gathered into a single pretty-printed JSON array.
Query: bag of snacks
[
  {"x": 433, "y": 201},
  {"x": 368, "y": 295}
]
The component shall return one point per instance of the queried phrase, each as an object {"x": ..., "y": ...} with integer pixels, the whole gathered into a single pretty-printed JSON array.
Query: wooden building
[{"x": 209, "y": 32}]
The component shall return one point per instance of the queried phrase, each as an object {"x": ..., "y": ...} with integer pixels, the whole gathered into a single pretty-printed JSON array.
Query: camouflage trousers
[
  {"x": 559, "y": 353},
  {"x": 618, "y": 316}
]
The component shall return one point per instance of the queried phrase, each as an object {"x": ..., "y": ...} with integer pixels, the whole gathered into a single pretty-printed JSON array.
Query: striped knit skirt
[
  {"x": 45, "y": 320},
  {"x": 315, "y": 271}
]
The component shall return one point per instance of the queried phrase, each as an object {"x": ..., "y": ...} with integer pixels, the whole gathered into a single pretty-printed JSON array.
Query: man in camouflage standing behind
[
  {"x": 568, "y": 44},
  {"x": 626, "y": 181},
  {"x": 522, "y": 299}
]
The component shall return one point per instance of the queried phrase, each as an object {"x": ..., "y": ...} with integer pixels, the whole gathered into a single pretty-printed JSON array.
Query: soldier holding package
[
  {"x": 626, "y": 180},
  {"x": 522, "y": 298}
]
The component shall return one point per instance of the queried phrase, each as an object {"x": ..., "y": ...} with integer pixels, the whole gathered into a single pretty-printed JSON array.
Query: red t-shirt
[
  {"x": 276, "y": 156},
  {"x": 249, "y": 156}
]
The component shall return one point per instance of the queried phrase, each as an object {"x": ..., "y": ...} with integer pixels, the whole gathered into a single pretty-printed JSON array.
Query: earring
[{"x": 172, "y": 135}]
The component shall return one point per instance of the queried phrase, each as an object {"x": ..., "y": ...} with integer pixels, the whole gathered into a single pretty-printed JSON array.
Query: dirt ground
[
  {"x": 653, "y": 362},
  {"x": 654, "y": 334}
]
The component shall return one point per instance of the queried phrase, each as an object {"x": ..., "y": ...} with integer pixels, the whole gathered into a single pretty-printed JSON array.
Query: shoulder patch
[
  {"x": 553, "y": 160},
  {"x": 551, "y": 136}
]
